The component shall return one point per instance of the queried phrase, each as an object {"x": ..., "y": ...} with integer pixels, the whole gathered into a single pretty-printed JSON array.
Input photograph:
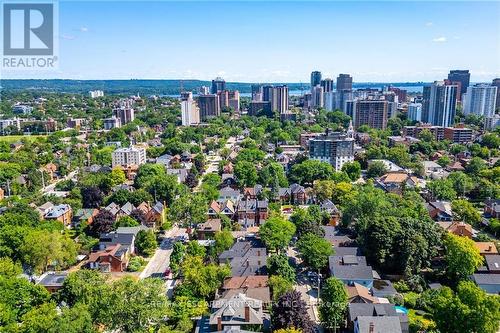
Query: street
[{"x": 161, "y": 259}]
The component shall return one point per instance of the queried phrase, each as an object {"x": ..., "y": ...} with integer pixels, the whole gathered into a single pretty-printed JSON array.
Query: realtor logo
[
  {"x": 29, "y": 40},
  {"x": 28, "y": 29}
]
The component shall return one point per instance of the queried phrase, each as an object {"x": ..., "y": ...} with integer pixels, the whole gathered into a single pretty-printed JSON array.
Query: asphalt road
[{"x": 161, "y": 259}]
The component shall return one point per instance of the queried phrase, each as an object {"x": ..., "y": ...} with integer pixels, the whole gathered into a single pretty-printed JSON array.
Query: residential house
[
  {"x": 228, "y": 193},
  {"x": 490, "y": 283},
  {"x": 383, "y": 289},
  {"x": 62, "y": 213},
  {"x": 164, "y": 160},
  {"x": 357, "y": 293},
  {"x": 208, "y": 229},
  {"x": 440, "y": 210},
  {"x": 125, "y": 210},
  {"x": 246, "y": 258},
  {"x": 486, "y": 248},
  {"x": 84, "y": 216},
  {"x": 394, "y": 182},
  {"x": 329, "y": 207},
  {"x": 252, "y": 212},
  {"x": 252, "y": 286},
  {"x": 253, "y": 192},
  {"x": 112, "y": 238},
  {"x": 214, "y": 210},
  {"x": 228, "y": 180},
  {"x": 492, "y": 208},
  {"x": 113, "y": 258},
  {"x": 360, "y": 315},
  {"x": 373, "y": 324},
  {"x": 113, "y": 208},
  {"x": 155, "y": 215},
  {"x": 52, "y": 281},
  {"x": 295, "y": 194},
  {"x": 349, "y": 267},
  {"x": 434, "y": 170},
  {"x": 238, "y": 310},
  {"x": 45, "y": 208},
  {"x": 181, "y": 174},
  {"x": 336, "y": 238},
  {"x": 458, "y": 228}
]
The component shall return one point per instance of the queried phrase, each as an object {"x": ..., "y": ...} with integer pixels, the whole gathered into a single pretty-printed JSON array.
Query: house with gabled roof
[
  {"x": 62, "y": 213},
  {"x": 238, "y": 310}
]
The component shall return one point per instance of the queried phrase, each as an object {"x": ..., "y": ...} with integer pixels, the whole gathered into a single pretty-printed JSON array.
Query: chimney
[
  {"x": 371, "y": 329},
  {"x": 258, "y": 253},
  {"x": 489, "y": 248},
  {"x": 247, "y": 313},
  {"x": 219, "y": 324}
]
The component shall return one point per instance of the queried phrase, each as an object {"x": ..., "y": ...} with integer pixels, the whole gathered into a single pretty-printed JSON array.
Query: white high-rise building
[
  {"x": 96, "y": 93},
  {"x": 439, "y": 103},
  {"x": 128, "y": 156},
  {"x": 190, "y": 112},
  {"x": 415, "y": 111},
  {"x": 480, "y": 99},
  {"x": 317, "y": 96}
]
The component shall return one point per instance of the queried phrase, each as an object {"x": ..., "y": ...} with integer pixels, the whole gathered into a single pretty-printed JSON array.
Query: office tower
[
  {"x": 190, "y": 113},
  {"x": 327, "y": 85},
  {"x": 344, "y": 82},
  {"x": 462, "y": 76},
  {"x": 317, "y": 96},
  {"x": 258, "y": 108},
  {"x": 415, "y": 111},
  {"x": 371, "y": 112},
  {"x": 439, "y": 104},
  {"x": 125, "y": 114},
  {"x": 204, "y": 90},
  {"x": 234, "y": 100},
  {"x": 401, "y": 93},
  {"x": 256, "y": 92},
  {"x": 330, "y": 100},
  {"x": 496, "y": 83},
  {"x": 480, "y": 99},
  {"x": 209, "y": 106},
  {"x": 277, "y": 96},
  {"x": 186, "y": 95},
  {"x": 332, "y": 147},
  {"x": 110, "y": 123},
  {"x": 315, "y": 78},
  {"x": 218, "y": 85},
  {"x": 128, "y": 156}
]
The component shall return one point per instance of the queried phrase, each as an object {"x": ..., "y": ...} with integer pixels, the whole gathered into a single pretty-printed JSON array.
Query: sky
[{"x": 394, "y": 41}]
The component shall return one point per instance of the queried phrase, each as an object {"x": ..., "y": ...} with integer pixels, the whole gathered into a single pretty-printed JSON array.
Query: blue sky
[{"x": 277, "y": 41}]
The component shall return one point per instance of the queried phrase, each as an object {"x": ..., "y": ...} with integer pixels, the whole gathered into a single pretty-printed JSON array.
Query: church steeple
[{"x": 350, "y": 131}]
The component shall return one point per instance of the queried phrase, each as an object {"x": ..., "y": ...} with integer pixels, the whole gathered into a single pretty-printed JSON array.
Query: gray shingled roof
[
  {"x": 493, "y": 279},
  {"x": 379, "y": 324}
]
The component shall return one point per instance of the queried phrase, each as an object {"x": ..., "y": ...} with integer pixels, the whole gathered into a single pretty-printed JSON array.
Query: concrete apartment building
[{"x": 125, "y": 157}]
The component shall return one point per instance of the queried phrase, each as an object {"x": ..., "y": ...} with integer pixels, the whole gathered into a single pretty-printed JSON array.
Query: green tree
[
  {"x": 333, "y": 306},
  {"x": 353, "y": 170},
  {"x": 442, "y": 189},
  {"x": 276, "y": 233},
  {"x": 117, "y": 176},
  {"x": 469, "y": 310},
  {"x": 279, "y": 286},
  {"x": 277, "y": 264},
  {"x": 203, "y": 279},
  {"x": 125, "y": 221},
  {"x": 311, "y": 170},
  {"x": 146, "y": 242},
  {"x": 314, "y": 251},
  {"x": 462, "y": 257},
  {"x": 223, "y": 241},
  {"x": 464, "y": 211},
  {"x": 245, "y": 173},
  {"x": 376, "y": 169}
]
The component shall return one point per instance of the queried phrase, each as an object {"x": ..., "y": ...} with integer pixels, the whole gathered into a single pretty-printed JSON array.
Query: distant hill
[{"x": 146, "y": 87}]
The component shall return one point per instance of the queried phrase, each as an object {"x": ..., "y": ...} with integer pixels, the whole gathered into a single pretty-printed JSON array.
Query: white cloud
[
  {"x": 441, "y": 39},
  {"x": 84, "y": 29},
  {"x": 429, "y": 24}
]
